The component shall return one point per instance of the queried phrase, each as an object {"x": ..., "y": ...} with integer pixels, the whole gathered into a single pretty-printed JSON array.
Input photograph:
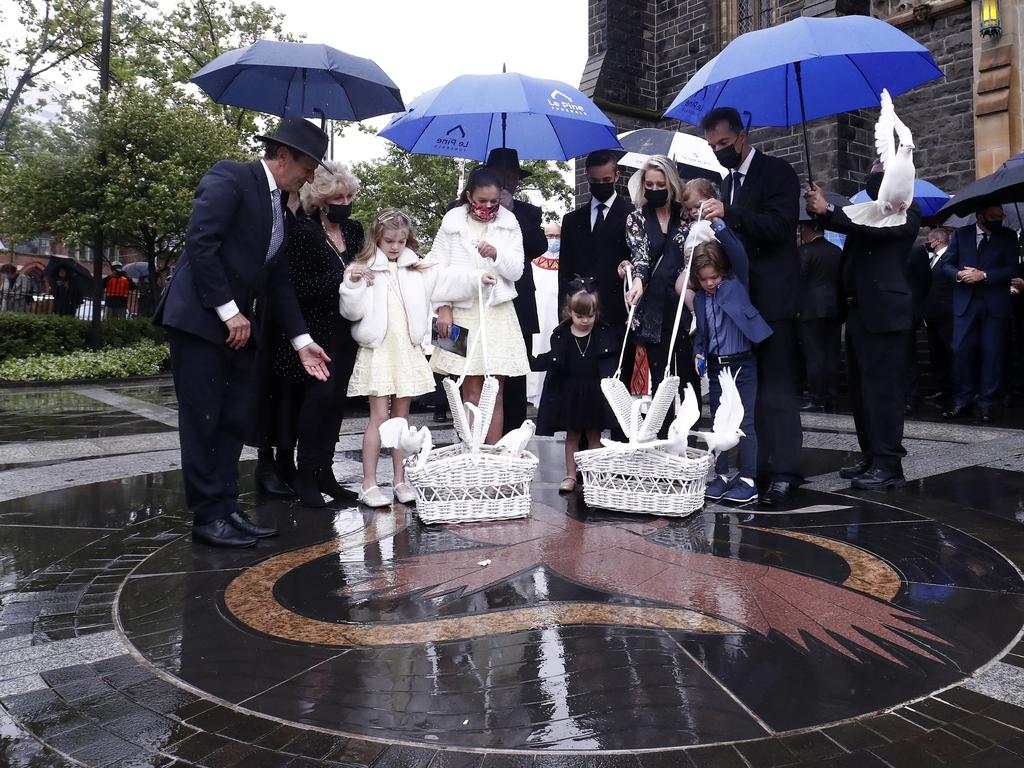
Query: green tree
[{"x": 424, "y": 185}]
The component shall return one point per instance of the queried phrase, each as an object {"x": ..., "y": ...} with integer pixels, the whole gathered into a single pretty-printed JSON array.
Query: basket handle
[
  {"x": 481, "y": 335},
  {"x": 628, "y": 281},
  {"x": 681, "y": 302}
]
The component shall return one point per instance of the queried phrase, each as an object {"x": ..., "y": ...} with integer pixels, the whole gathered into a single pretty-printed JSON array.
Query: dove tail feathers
[
  {"x": 391, "y": 431},
  {"x": 870, "y": 214}
]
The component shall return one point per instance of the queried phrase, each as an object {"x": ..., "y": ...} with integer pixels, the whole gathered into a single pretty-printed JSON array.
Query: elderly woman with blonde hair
[{"x": 307, "y": 413}]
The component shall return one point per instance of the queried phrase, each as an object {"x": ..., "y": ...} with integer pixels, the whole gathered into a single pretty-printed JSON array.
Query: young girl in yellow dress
[{"x": 387, "y": 293}]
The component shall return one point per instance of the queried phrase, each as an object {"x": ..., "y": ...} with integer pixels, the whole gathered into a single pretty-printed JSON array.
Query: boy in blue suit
[{"x": 728, "y": 329}]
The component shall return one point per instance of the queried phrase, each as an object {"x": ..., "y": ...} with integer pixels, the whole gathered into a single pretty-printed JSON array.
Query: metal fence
[{"x": 138, "y": 304}]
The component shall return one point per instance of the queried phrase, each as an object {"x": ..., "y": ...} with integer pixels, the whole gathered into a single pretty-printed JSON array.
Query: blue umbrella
[
  {"x": 805, "y": 69},
  {"x": 300, "y": 80},
  {"x": 473, "y": 114},
  {"x": 926, "y": 195}
]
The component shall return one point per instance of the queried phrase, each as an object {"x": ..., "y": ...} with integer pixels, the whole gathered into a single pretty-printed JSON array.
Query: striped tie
[{"x": 277, "y": 234}]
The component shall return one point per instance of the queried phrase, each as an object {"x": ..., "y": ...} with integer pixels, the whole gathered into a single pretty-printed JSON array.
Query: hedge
[
  {"x": 144, "y": 358},
  {"x": 23, "y": 335}
]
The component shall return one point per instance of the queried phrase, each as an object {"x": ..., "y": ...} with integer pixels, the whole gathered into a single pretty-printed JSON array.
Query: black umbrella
[
  {"x": 1006, "y": 185},
  {"x": 81, "y": 275}
]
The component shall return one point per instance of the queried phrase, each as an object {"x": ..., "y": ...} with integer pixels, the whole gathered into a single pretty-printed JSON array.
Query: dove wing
[
  {"x": 391, "y": 432},
  {"x": 725, "y": 419},
  {"x": 690, "y": 411},
  {"x": 884, "y": 130},
  {"x": 902, "y": 132}
]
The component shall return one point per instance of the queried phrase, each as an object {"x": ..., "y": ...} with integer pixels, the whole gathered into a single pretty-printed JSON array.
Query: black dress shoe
[
  {"x": 986, "y": 416},
  {"x": 850, "y": 472},
  {"x": 957, "y": 412},
  {"x": 268, "y": 481},
  {"x": 812, "y": 408},
  {"x": 242, "y": 522},
  {"x": 875, "y": 479},
  {"x": 328, "y": 483},
  {"x": 221, "y": 533},
  {"x": 776, "y": 493},
  {"x": 307, "y": 488}
]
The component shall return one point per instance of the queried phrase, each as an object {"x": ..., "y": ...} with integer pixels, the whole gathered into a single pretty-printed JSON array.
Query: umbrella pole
[
  {"x": 803, "y": 122},
  {"x": 504, "y": 121},
  {"x": 1016, "y": 207}
]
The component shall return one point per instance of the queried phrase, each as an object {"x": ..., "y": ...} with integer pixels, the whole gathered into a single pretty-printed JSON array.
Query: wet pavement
[{"x": 848, "y": 629}]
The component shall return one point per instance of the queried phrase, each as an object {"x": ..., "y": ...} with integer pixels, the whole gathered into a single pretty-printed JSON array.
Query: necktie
[
  {"x": 600, "y": 216},
  {"x": 737, "y": 179},
  {"x": 277, "y": 233}
]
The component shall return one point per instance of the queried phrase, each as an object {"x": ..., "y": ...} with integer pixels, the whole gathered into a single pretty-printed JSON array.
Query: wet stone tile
[
  {"x": 811, "y": 746},
  {"x": 716, "y": 757},
  {"x": 766, "y": 753},
  {"x": 854, "y": 736}
]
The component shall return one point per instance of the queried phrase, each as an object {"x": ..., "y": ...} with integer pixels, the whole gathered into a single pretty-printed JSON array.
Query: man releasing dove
[{"x": 895, "y": 146}]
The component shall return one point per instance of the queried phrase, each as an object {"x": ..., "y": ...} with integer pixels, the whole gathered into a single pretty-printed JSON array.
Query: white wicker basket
[
  {"x": 644, "y": 481},
  {"x": 456, "y": 485}
]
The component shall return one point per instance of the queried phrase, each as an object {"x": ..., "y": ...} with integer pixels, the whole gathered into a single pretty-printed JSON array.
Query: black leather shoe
[
  {"x": 268, "y": 482},
  {"x": 327, "y": 483},
  {"x": 986, "y": 416},
  {"x": 812, "y": 407},
  {"x": 221, "y": 533},
  {"x": 307, "y": 488},
  {"x": 852, "y": 471},
  {"x": 875, "y": 479},
  {"x": 242, "y": 522},
  {"x": 957, "y": 412},
  {"x": 776, "y": 492}
]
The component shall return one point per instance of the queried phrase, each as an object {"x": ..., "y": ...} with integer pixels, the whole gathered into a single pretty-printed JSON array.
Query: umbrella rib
[{"x": 861, "y": 73}]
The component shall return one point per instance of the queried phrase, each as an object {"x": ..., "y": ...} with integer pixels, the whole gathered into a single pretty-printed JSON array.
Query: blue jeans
[{"x": 746, "y": 383}]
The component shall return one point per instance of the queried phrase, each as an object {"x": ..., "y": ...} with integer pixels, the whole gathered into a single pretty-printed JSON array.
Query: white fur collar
[{"x": 380, "y": 260}]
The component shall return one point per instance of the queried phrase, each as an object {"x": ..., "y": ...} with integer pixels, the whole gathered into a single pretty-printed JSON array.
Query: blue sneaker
[
  {"x": 716, "y": 488},
  {"x": 740, "y": 493}
]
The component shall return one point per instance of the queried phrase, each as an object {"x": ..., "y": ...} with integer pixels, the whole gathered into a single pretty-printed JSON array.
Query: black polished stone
[{"x": 65, "y": 415}]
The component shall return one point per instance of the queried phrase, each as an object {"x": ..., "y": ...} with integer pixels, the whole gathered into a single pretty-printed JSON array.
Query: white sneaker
[
  {"x": 372, "y": 497},
  {"x": 405, "y": 493}
]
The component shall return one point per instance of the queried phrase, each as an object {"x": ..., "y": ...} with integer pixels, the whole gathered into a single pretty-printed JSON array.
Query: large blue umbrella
[
  {"x": 473, "y": 114},
  {"x": 300, "y": 80},
  {"x": 926, "y": 195},
  {"x": 805, "y": 69}
]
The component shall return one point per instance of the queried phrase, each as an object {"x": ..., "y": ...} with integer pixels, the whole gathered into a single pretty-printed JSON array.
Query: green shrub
[
  {"x": 142, "y": 359},
  {"x": 22, "y": 335}
]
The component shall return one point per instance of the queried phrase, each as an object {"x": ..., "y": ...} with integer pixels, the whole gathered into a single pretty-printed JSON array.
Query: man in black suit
[
  {"x": 938, "y": 317},
  {"x": 232, "y": 260},
  {"x": 505, "y": 164},
  {"x": 594, "y": 239},
  {"x": 982, "y": 259},
  {"x": 919, "y": 276},
  {"x": 820, "y": 326},
  {"x": 760, "y": 203},
  {"x": 879, "y": 319}
]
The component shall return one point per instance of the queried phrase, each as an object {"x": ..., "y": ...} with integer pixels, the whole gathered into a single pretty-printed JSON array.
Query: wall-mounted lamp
[{"x": 991, "y": 25}]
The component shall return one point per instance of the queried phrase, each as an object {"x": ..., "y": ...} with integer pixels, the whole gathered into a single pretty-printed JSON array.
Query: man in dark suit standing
[
  {"x": 232, "y": 260},
  {"x": 505, "y": 163},
  {"x": 820, "y": 326},
  {"x": 879, "y": 319},
  {"x": 594, "y": 239},
  {"x": 982, "y": 259},
  {"x": 760, "y": 203},
  {"x": 938, "y": 317},
  {"x": 919, "y": 277}
]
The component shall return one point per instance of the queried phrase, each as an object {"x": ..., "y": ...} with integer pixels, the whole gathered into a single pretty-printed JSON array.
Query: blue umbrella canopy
[
  {"x": 805, "y": 69},
  {"x": 473, "y": 114},
  {"x": 926, "y": 195},
  {"x": 300, "y": 80}
]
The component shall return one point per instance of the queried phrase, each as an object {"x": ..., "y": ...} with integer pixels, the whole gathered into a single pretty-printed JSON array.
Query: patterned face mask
[{"x": 485, "y": 213}]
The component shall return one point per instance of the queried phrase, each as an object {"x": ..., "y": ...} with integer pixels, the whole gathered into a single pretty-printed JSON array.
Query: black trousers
[
  {"x": 877, "y": 371},
  {"x": 514, "y": 394},
  {"x": 216, "y": 391},
  {"x": 821, "y": 338},
  {"x": 912, "y": 370},
  {"x": 979, "y": 345},
  {"x": 777, "y": 416},
  {"x": 940, "y": 351}
]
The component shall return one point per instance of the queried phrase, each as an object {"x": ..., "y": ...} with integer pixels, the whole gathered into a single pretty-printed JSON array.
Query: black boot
[
  {"x": 306, "y": 487},
  {"x": 328, "y": 483},
  {"x": 268, "y": 481},
  {"x": 284, "y": 463}
]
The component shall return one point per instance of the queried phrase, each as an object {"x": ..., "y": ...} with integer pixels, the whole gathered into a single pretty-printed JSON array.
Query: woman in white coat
[{"x": 479, "y": 234}]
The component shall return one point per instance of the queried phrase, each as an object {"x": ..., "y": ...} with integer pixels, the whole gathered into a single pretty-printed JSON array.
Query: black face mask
[
  {"x": 994, "y": 225},
  {"x": 656, "y": 197},
  {"x": 338, "y": 213},
  {"x": 874, "y": 183},
  {"x": 602, "y": 190},
  {"x": 729, "y": 157}
]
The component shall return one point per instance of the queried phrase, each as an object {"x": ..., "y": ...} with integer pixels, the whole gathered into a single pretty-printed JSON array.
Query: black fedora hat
[
  {"x": 504, "y": 157},
  {"x": 300, "y": 135}
]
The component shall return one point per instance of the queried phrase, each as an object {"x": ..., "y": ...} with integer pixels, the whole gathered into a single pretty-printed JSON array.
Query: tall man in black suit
[
  {"x": 982, "y": 259},
  {"x": 919, "y": 276},
  {"x": 505, "y": 163},
  {"x": 879, "y": 319},
  {"x": 594, "y": 239},
  {"x": 821, "y": 329},
  {"x": 938, "y": 317},
  {"x": 232, "y": 260},
  {"x": 760, "y": 203}
]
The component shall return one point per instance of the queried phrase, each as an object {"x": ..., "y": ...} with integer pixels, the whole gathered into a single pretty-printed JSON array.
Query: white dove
[
  {"x": 700, "y": 232},
  {"x": 514, "y": 443},
  {"x": 897, "y": 190},
  {"x": 687, "y": 414},
  {"x": 397, "y": 433},
  {"x": 725, "y": 431}
]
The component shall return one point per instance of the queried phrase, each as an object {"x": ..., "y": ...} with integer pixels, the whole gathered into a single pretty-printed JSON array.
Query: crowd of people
[{"x": 282, "y": 306}]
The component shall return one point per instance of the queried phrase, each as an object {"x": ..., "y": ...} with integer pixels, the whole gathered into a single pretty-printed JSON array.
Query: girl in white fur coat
[{"x": 387, "y": 293}]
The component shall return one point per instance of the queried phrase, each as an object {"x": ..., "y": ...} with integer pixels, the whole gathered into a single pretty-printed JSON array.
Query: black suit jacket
[
  {"x": 225, "y": 257},
  {"x": 999, "y": 260},
  {"x": 764, "y": 216},
  {"x": 874, "y": 271},
  {"x": 919, "y": 275},
  {"x": 535, "y": 243},
  {"x": 938, "y": 306},
  {"x": 820, "y": 262},
  {"x": 596, "y": 255}
]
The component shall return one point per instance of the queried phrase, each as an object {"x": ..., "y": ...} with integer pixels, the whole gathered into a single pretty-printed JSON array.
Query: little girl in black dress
[{"x": 584, "y": 350}]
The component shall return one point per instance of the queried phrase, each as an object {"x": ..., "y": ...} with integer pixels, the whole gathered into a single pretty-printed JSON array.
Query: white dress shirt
[
  {"x": 594, "y": 202},
  {"x": 742, "y": 171}
]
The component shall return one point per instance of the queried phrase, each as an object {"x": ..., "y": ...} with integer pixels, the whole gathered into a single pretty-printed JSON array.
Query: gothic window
[
  {"x": 743, "y": 16},
  {"x": 744, "y": 12}
]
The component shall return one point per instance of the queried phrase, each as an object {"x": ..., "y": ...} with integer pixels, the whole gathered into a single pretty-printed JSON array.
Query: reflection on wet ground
[{"x": 64, "y": 415}]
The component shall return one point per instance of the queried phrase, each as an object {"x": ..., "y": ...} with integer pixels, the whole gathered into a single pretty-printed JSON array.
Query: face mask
[
  {"x": 656, "y": 197},
  {"x": 554, "y": 245},
  {"x": 338, "y": 213},
  {"x": 729, "y": 157},
  {"x": 874, "y": 183},
  {"x": 602, "y": 190},
  {"x": 483, "y": 213},
  {"x": 993, "y": 225}
]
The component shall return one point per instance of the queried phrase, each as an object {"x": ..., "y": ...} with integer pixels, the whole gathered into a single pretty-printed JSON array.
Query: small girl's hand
[
  {"x": 487, "y": 250},
  {"x": 488, "y": 279},
  {"x": 360, "y": 273}
]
